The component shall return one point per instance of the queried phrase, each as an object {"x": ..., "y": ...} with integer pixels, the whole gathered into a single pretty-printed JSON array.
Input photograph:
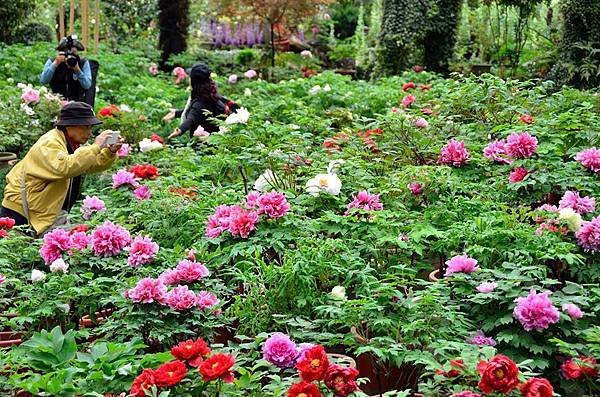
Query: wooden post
[
  {"x": 85, "y": 19},
  {"x": 61, "y": 19},
  {"x": 96, "y": 26},
  {"x": 72, "y": 17}
]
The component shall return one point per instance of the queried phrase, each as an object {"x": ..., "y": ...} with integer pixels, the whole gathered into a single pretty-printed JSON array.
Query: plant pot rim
[{"x": 433, "y": 276}]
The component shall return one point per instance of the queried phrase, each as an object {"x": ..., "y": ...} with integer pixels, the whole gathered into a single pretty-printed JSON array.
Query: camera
[
  {"x": 113, "y": 137},
  {"x": 71, "y": 58}
]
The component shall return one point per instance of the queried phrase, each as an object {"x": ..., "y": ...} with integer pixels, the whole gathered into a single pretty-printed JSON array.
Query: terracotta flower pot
[{"x": 101, "y": 316}]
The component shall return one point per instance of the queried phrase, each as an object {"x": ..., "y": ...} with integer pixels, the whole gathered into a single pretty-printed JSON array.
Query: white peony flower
[
  {"x": 59, "y": 265},
  {"x": 314, "y": 90},
  {"x": 28, "y": 111},
  {"x": 334, "y": 166},
  {"x": 201, "y": 134},
  {"x": 265, "y": 182},
  {"x": 124, "y": 108},
  {"x": 338, "y": 292},
  {"x": 37, "y": 275},
  {"x": 147, "y": 145},
  {"x": 241, "y": 116},
  {"x": 247, "y": 92},
  {"x": 327, "y": 88},
  {"x": 306, "y": 54},
  {"x": 222, "y": 130},
  {"x": 572, "y": 218},
  {"x": 329, "y": 183}
]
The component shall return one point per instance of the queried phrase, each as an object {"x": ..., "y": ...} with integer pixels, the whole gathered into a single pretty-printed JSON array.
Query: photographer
[
  {"x": 68, "y": 74},
  {"x": 41, "y": 189}
]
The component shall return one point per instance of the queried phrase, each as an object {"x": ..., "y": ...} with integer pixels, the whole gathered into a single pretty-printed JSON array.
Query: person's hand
[
  {"x": 101, "y": 139},
  {"x": 76, "y": 68},
  {"x": 60, "y": 58},
  {"x": 175, "y": 133},
  {"x": 169, "y": 116},
  {"x": 115, "y": 148}
]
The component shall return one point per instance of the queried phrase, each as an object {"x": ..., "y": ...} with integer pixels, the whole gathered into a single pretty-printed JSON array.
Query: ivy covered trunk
[
  {"x": 440, "y": 38},
  {"x": 173, "y": 24},
  {"x": 579, "y": 62}
]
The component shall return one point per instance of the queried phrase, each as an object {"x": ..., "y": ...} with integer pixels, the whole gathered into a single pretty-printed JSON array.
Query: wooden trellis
[{"x": 85, "y": 21}]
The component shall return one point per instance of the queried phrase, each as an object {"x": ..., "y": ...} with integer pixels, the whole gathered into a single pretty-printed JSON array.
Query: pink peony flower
[
  {"x": 218, "y": 222},
  {"x": 480, "y": 339},
  {"x": 30, "y": 96},
  {"x": 306, "y": 54},
  {"x": 91, "y": 205},
  {"x": 495, "y": 151},
  {"x": 581, "y": 205},
  {"x": 169, "y": 277},
  {"x": 461, "y": 264},
  {"x": 206, "y": 300},
  {"x": 364, "y": 201},
  {"x": 190, "y": 271},
  {"x": 251, "y": 202},
  {"x": 572, "y": 310},
  {"x": 273, "y": 204},
  {"x": 2, "y": 278},
  {"x": 486, "y": 288},
  {"x": 109, "y": 239},
  {"x": 590, "y": 159},
  {"x": 547, "y": 207},
  {"x": 148, "y": 290},
  {"x": 466, "y": 393},
  {"x": 408, "y": 100},
  {"x": 535, "y": 311},
  {"x": 421, "y": 122},
  {"x": 232, "y": 79},
  {"x": 427, "y": 111},
  {"x": 280, "y": 350},
  {"x": 588, "y": 237},
  {"x": 142, "y": 193},
  {"x": 415, "y": 188},
  {"x": 250, "y": 74},
  {"x": 517, "y": 175},
  {"x": 142, "y": 251},
  {"x": 201, "y": 134},
  {"x": 520, "y": 145},
  {"x": 79, "y": 241},
  {"x": 124, "y": 177},
  {"x": 55, "y": 243},
  {"x": 526, "y": 118},
  {"x": 179, "y": 74},
  {"x": 124, "y": 151},
  {"x": 242, "y": 221},
  {"x": 180, "y": 298},
  {"x": 454, "y": 153},
  {"x": 153, "y": 69}
]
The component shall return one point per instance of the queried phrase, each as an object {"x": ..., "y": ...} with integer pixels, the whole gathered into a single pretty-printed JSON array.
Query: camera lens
[{"x": 71, "y": 61}]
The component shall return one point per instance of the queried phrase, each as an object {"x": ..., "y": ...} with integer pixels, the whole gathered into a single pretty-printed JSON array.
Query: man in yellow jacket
[{"x": 41, "y": 189}]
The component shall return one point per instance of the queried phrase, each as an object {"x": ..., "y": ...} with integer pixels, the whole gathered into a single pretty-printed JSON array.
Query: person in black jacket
[{"x": 204, "y": 104}]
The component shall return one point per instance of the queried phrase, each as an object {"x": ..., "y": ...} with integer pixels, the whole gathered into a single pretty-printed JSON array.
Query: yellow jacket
[{"x": 48, "y": 168}]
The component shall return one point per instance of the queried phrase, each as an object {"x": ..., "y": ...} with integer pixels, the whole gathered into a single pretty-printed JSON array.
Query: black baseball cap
[
  {"x": 77, "y": 113},
  {"x": 63, "y": 45},
  {"x": 199, "y": 71}
]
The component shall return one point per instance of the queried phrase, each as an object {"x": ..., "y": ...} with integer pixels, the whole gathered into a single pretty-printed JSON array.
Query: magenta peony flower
[
  {"x": 408, "y": 100},
  {"x": 218, "y": 222},
  {"x": 190, "y": 271},
  {"x": 535, "y": 311},
  {"x": 421, "y": 122},
  {"x": 206, "y": 300},
  {"x": 365, "y": 201},
  {"x": 79, "y": 241},
  {"x": 581, "y": 205},
  {"x": 302, "y": 349},
  {"x": 250, "y": 74},
  {"x": 142, "y": 193},
  {"x": 588, "y": 236},
  {"x": 142, "y": 251},
  {"x": 30, "y": 96},
  {"x": 242, "y": 222},
  {"x": 181, "y": 298},
  {"x": 480, "y": 339},
  {"x": 55, "y": 243},
  {"x": 280, "y": 350},
  {"x": 124, "y": 151},
  {"x": 273, "y": 204},
  {"x": 169, "y": 277},
  {"x": 91, "y": 205},
  {"x": 148, "y": 290},
  {"x": 466, "y": 393},
  {"x": 495, "y": 151},
  {"x": 2, "y": 278},
  {"x": 415, "y": 188},
  {"x": 109, "y": 239},
  {"x": 572, "y": 310},
  {"x": 251, "y": 202},
  {"x": 454, "y": 153},
  {"x": 520, "y": 145},
  {"x": 461, "y": 264},
  {"x": 124, "y": 177},
  {"x": 590, "y": 159},
  {"x": 486, "y": 288},
  {"x": 517, "y": 175}
]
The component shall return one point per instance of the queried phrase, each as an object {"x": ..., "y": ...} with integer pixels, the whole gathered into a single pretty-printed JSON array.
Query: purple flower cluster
[{"x": 225, "y": 34}]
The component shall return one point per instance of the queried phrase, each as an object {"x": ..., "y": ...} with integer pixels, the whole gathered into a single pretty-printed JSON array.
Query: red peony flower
[
  {"x": 537, "y": 387},
  {"x": 314, "y": 364},
  {"x": 6, "y": 223},
  {"x": 341, "y": 380},
  {"x": 142, "y": 383},
  {"x": 79, "y": 228},
  {"x": 171, "y": 373},
  {"x": 3, "y": 233},
  {"x": 424, "y": 87},
  {"x": 157, "y": 138},
  {"x": 192, "y": 351},
  {"x": 408, "y": 86},
  {"x": 304, "y": 389},
  {"x": 418, "y": 68},
  {"x": 498, "y": 374},
  {"x": 218, "y": 366},
  {"x": 572, "y": 369},
  {"x": 109, "y": 111},
  {"x": 456, "y": 368},
  {"x": 526, "y": 118},
  {"x": 144, "y": 171}
]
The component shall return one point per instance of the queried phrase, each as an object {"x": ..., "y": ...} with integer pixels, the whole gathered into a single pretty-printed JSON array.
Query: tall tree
[
  {"x": 440, "y": 38},
  {"x": 173, "y": 22}
]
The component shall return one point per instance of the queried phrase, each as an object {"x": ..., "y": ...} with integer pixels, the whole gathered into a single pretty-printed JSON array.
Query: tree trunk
[
  {"x": 173, "y": 24},
  {"x": 440, "y": 39},
  {"x": 272, "y": 46}
]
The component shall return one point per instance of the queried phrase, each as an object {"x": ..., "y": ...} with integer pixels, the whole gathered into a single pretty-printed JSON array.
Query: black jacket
[
  {"x": 63, "y": 82},
  {"x": 201, "y": 111}
]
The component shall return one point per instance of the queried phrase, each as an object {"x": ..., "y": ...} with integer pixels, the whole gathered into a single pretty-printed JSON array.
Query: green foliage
[{"x": 12, "y": 15}]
